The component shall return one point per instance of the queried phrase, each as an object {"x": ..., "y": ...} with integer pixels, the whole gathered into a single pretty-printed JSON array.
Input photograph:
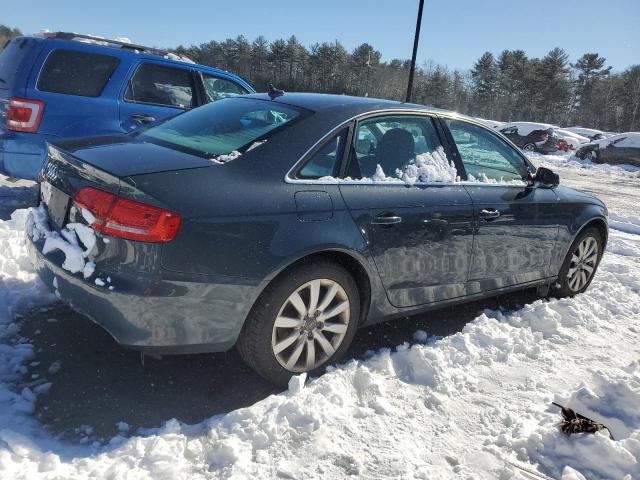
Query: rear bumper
[
  {"x": 169, "y": 317},
  {"x": 22, "y": 154}
]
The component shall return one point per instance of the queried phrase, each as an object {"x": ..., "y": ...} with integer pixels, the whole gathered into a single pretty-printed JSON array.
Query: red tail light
[
  {"x": 24, "y": 115},
  {"x": 125, "y": 218}
]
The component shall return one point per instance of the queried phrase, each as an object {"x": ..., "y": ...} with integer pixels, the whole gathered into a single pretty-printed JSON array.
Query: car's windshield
[{"x": 222, "y": 127}]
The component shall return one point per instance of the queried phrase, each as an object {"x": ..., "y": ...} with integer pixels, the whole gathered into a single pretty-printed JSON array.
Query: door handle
[
  {"x": 386, "y": 219},
  {"x": 143, "y": 118},
  {"x": 489, "y": 214}
]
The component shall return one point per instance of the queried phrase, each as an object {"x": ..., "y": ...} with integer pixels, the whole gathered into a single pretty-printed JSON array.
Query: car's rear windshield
[
  {"x": 224, "y": 126},
  {"x": 10, "y": 60}
]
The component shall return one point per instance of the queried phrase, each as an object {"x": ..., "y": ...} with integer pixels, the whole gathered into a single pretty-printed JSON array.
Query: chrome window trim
[{"x": 374, "y": 113}]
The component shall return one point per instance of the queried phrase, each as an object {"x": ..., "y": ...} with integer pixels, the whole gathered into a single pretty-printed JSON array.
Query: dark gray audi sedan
[{"x": 281, "y": 223}]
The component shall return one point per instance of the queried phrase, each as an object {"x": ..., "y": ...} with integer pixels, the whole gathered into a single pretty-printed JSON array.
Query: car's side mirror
[{"x": 546, "y": 177}]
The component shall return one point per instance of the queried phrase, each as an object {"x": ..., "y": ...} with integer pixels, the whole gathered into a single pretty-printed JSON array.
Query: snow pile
[
  {"x": 75, "y": 253},
  {"x": 428, "y": 167},
  {"x": 20, "y": 291},
  {"x": 222, "y": 159},
  {"x": 613, "y": 398}
]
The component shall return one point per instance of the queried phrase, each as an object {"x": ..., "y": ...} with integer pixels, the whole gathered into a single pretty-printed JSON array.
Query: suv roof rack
[{"x": 117, "y": 43}]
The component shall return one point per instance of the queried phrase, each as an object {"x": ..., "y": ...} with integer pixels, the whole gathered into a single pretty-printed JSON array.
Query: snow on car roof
[
  {"x": 525, "y": 128},
  {"x": 583, "y": 131},
  {"x": 628, "y": 139}
]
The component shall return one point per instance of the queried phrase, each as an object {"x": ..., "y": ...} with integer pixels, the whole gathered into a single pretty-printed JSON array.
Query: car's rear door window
[
  {"x": 486, "y": 157},
  {"x": 161, "y": 85},
  {"x": 223, "y": 127},
  {"x": 76, "y": 73},
  {"x": 216, "y": 88}
]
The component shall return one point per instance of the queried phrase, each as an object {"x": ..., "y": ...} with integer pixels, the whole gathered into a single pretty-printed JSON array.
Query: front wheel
[
  {"x": 592, "y": 156},
  {"x": 529, "y": 147},
  {"x": 301, "y": 323},
  {"x": 581, "y": 263}
]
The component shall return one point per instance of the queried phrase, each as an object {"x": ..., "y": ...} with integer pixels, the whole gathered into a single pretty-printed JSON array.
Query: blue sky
[{"x": 454, "y": 32}]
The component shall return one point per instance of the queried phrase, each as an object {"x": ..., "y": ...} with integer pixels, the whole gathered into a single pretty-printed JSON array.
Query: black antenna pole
[{"x": 415, "y": 51}]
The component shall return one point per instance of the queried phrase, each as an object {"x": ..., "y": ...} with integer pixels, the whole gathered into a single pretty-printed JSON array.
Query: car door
[
  {"x": 516, "y": 222},
  {"x": 156, "y": 91},
  {"x": 418, "y": 225}
]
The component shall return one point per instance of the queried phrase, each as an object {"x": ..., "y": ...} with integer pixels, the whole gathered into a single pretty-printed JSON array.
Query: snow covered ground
[{"x": 475, "y": 404}]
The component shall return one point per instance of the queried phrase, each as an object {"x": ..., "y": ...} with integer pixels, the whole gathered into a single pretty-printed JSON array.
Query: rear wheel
[
  {"x": 301, "y": 323},
  {"x": 581, "y": 263},
  {"x": 529, "y": 147}
]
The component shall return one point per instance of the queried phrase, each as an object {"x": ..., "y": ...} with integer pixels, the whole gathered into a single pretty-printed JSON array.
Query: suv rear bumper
[{"x": 176, "y": 317}]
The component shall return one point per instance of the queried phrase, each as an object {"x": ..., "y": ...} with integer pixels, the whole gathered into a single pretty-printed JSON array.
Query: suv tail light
[
  {"x": 24, "y": 115},
  {"x": 128, "y": 219}
]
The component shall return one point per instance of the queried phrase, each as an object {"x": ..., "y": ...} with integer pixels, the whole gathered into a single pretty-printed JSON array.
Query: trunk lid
[{"x": 125, "y": 155}]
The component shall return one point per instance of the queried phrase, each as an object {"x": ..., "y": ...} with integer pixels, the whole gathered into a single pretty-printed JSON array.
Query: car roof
[
  {"x": 125, "y": 49},
  {"x": 345, "y": 106}
]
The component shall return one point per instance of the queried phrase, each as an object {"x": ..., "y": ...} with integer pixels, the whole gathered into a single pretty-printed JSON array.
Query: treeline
[
  {"x": 510, "y": 86},
  {"x": 7, "y": 33}
]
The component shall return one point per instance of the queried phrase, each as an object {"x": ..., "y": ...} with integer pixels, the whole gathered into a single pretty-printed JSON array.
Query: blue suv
[{"x": 64, "y": 85}]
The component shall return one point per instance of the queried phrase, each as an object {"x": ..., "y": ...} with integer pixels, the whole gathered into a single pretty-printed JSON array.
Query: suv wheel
[
  {"x": 301, "y": 323},
  {"x": 529, "y": 147},
  {"x": 581, "y": 263}
]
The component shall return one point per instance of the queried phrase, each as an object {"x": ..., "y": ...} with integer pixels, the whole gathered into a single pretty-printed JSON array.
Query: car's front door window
[{"x": 486, "y": 158}]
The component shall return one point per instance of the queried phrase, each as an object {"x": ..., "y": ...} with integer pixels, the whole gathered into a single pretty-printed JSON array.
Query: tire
[
  {"x": 269, "y": 349},
  {"x": 568, "y": 283},
  {"x": 592, "y": 156},
  {"x": 529, "y": 147}
]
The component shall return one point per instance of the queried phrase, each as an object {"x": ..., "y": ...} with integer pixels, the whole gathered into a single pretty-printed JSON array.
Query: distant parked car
[
  {"x": 322, "y": 241},
  {"x": 64, "y": 85},
  {"x": 619, "y": 148},
  {"x": 590, "y": 133},
  {"x": 531, "y": 137},
  {"x": 572, "y": 140}
]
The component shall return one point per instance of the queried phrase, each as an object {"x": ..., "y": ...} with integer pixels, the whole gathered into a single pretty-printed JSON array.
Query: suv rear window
[
  {"x": 223, "y": 127},
  {"x": 10, "y": 60},
  {"x": 76, "y": 73},
  {"x": 160, "y": 85}
]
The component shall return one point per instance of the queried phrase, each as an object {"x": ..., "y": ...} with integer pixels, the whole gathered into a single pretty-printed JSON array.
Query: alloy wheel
[
  {"x": 583, "y": 264},
  {"x": 311, "y": 325},
  {"x": 529, "y": 147}
]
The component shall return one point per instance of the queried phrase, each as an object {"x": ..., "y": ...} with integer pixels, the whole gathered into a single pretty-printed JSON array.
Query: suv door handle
[
  {"x": 143, "y": 118},
  {"x": 489, "y": 214},
  {"x": 386, "y": 219}
]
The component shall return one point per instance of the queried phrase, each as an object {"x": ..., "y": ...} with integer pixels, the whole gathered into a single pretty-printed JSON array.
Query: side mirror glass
[{"x": 546, "y": 177}]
